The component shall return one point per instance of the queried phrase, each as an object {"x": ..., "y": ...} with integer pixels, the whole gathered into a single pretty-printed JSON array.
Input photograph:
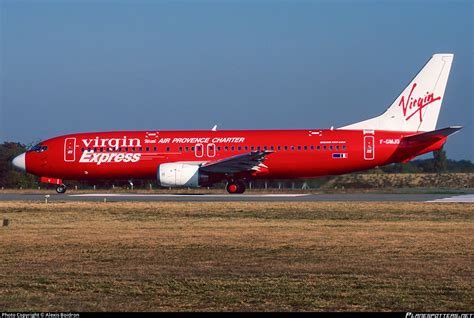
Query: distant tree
[
  {"x": 440, "y": 161},
  {"x": 426, "y": 165},
  {"x": 409, "y": 167},
  {"x": 460, "y": 166},
  {"x": 9, "y": 177}
]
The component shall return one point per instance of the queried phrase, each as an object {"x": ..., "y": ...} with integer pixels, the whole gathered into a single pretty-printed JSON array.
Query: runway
[{"x": 368, "y": 197}]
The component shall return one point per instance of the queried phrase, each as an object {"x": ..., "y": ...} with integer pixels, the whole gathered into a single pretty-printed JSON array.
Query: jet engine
[{"x": 177, "y": 174}]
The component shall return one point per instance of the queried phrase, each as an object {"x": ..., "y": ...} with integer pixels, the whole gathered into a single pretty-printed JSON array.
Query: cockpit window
[{"x": 39, "y": 148}]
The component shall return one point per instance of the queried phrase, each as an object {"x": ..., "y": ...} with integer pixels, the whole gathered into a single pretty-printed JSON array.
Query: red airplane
[{"x": 202, "y": 158}]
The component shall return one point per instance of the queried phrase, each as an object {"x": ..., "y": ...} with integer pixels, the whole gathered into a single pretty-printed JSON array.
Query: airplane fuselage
[{"x": 294, "y": 153}]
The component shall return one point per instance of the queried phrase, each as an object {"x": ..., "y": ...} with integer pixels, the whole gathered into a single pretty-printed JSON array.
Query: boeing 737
[{"x": 404, "y": 131}]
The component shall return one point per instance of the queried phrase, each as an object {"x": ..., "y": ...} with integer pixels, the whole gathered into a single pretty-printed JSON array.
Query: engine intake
[{"x": 177, "y": 174}]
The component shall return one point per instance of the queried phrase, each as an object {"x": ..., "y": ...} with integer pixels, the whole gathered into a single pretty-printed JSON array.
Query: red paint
[
  {"x": 51, "y": 180},
  {"x": 416, "y": 103},
  {"x": 295, "y": 153},
  {"x": 232, "y": 188}
]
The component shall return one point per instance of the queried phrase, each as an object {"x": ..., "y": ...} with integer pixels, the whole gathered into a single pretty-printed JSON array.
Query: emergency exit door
[
  {"x": 369, "y": 150},
  {"x": 70, "y": 149}
]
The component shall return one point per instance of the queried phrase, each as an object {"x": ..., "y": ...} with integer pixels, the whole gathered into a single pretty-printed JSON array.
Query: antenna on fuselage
[{"x": 214, "y": 128}]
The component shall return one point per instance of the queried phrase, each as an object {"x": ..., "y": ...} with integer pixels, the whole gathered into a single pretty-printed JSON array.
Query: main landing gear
[
  {"x": 61, "y": 188},
  {"x": 235, "y": 187}
]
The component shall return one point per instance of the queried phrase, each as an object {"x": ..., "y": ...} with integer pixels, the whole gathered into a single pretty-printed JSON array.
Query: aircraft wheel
[
  {"x": 235, "y": 187},
  {"x": 232, "y": 187},
  {"x": 241, "y": 187},
  {"x": 61, "y": 188}
]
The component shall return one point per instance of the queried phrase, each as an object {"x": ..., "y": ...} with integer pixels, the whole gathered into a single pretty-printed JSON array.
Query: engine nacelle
[{"x": 177, "y": 174}]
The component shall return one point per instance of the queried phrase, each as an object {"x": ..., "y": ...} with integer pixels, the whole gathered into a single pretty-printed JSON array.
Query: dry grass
[
  {"x": 161, "y": 256},
  {"x": 403, "y": 180}
]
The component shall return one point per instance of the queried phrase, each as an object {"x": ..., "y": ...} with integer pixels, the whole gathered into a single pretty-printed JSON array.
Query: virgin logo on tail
[{"x": 413, "y": 105}]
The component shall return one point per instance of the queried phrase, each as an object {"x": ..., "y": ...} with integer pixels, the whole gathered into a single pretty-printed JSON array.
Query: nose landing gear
[
  {"x": 235, "y": 187},
  {"x": 61, "y": 188}
]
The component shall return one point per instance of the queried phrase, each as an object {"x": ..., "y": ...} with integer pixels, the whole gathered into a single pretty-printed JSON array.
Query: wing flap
[{"x": 252, "y": 161}]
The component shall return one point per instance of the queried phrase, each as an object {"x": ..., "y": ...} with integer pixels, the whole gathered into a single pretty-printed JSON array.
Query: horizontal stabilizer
[{"x": 433, "y": 135}]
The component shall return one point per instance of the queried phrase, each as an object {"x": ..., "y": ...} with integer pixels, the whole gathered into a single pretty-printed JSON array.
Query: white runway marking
[
  {"x": 188, "y": 195},
  {"x": 467, "y": 198}
]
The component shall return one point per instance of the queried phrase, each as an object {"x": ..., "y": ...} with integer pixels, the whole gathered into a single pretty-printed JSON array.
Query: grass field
[{"x": 245, "y": 256}]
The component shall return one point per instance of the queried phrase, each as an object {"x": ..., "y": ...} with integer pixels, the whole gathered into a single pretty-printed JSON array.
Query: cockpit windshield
[{"x": 39, "y": 148}]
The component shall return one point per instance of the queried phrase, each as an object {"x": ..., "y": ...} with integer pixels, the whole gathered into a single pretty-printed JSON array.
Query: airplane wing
[
  {"x": 252, "y": 161},
  {"x": 433, "y": 135}
]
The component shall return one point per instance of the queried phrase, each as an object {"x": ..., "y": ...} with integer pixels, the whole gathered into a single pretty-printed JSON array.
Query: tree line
[{"x": 12, "y": 178}]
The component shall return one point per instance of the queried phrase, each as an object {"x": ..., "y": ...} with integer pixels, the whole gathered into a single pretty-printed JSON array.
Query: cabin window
[
  {"x": 318, "y": 148},
  {"x": 337, "y": 147},
  {"x": 312, "y": 147},
  {"x": 343, "y": 147},
  {"x": 246, "y": 147},
  {"x": 258, "y": 148},
  {"x": 305, "y": 147},
  {"x": 168, "y": 149},
  {"x": 147, "y": 149},
  {"x": 324, "y": 147},
  {"x": 272, "y": 147},
  {"x": 292, "y": 147},
  {"x": 286, "y": 147},
  {"x": 279, "y": 147},
  {"x": 226, "y": 148},
  {"x": 252, "y": 148},
  {"x": 192, "y": 148},
  {"x": 232, "y": 148},
  {"x": 154, "y": 148},
  {"x": 330, "y": 147}
]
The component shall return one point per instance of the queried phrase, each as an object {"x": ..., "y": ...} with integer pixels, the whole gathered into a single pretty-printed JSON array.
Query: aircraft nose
[{"x": 20, "y": 162}]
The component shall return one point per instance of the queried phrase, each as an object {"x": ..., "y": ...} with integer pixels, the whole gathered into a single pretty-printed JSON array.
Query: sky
[{"x": 77, "y": 66}]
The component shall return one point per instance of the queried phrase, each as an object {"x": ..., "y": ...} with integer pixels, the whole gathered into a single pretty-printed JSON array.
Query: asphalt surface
[{"x": 372, "y": 197}]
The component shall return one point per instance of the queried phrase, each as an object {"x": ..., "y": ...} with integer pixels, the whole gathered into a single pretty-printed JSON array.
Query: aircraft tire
[
  {"x": 61, "y": 189},
  {"x": 235, "y": 187},
  {"x": 241, "y": 187}
]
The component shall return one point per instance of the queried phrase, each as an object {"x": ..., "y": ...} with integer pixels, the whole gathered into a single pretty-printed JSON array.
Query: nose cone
[{"x": 20, "y": 162}]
